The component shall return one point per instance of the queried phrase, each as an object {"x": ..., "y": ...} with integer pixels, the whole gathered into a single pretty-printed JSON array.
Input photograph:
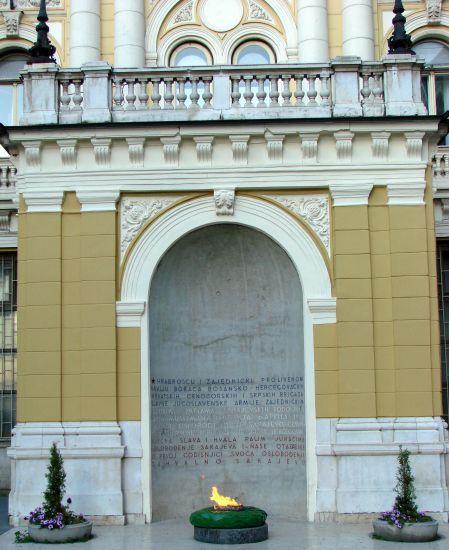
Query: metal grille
[{"x": 8, "y": 339}]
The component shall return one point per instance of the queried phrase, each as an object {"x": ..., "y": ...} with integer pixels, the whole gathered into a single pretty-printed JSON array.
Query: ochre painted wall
[{"x": 383, "y": 354}]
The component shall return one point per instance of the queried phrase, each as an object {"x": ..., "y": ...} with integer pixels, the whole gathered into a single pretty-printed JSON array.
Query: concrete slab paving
[{"x": 284, "y": 535}]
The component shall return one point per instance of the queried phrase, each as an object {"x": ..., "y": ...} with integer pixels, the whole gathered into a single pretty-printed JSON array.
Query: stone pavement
[{"x": 284, "y": 535}]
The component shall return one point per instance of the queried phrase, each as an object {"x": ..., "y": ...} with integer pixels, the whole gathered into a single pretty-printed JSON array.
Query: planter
[
  {"x": 426, "y": 531},
  {"x": 69, "y": 533}
]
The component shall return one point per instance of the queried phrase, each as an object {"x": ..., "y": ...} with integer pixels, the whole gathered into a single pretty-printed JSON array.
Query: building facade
[{"x": 226, "y": 218}]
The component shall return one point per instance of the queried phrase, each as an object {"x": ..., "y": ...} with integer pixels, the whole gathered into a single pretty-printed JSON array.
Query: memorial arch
[{"x": 282, "y": 235}]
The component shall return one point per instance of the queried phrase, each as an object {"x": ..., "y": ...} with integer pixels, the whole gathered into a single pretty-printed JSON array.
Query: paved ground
[{"x": 173, "y": 535}]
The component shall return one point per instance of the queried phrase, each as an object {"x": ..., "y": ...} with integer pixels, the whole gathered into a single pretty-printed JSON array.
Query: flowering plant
[
  {"x": 405, "y": 509},
  {"x": 53, "y": 514}
]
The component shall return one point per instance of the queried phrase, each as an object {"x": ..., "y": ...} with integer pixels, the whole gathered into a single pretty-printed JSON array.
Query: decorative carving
[
  {"x": 102, "y": 151},
  {"x": 67, "y": 149},
  {"x": 135, "y": 212},
  {"x": 239, "y": 148},
  {"x": 185, "y": 14},
  {"x": 414, "y": 144},
  {"x": 224, "y": 201},
  {"x": 343, "y": 143},
  {"x": 33, "y": 153},
  {"x": 32, "y": 4},
  {"x": 12, "y": 22},
  {"x": 275, "y": 144},
  {"x": 314, "y": 209},
  {"x": 309, "y": 146},
  {"x": 136, "y": 150},
  {"x": 379, "y": 144},
  {"x": 4, "y": 3},
  {"x": 434, "y": 12},
  {"x": 257, "y": 12},
  {"x": 204, "y": 149},
  {"x": 171, "y": 149}
]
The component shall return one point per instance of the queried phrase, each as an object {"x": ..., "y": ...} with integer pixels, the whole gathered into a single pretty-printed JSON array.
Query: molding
[
  {"x": 12, "y": 20},
  {"x": 129, "y": 314},
  {"x": 43, "y": 201},
  {"x": 343, "y": 144},
  {"x": 136, "y": 151},
  {"x": 239, "y": 144},
  {"x": 406, "y": 192},
  {"x": 33, "y": 153},
  {"x": 171, "y": 149},
  {"x": 224, "y": 201},
  {"x": 97, "y": 200},
  {"x": 68, "y": 151},
  {"x": 102, "y": 151},
  {"x": 313, "y": 209},
  {"x": 8, "y": 240},
  {"x": 433, "y": 12},
  {"x": 414, "y": 143},
  {"x": 136, "y": 211},
  {"x": 350, "y": 194},
  {"x": 309, "y": 146},
  {"x": 204, "y": 147},
  {"x": 323, "y": 311},
  {"x": 275, "y": 146},
  {"x": 380, "y": 144}
]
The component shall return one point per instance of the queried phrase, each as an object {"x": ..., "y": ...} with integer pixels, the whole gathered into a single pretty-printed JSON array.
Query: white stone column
[
  {"x": 358, "y": 29},
  {"x": 84, "y": 31},
  {"x": 313, "y": 42},
  {"x": 129, "y": 47}
]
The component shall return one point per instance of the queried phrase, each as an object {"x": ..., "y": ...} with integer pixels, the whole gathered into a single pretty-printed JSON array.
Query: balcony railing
[
  {"x": 344, "y": 87},
  {"x": 7, "y": 178}
]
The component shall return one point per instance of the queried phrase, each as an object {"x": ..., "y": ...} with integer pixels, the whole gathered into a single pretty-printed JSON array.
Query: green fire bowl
[{"x": 217, "y": 519}]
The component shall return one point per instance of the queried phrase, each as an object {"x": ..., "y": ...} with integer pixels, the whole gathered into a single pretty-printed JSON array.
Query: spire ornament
[
  {"x": 43, "y": 50},
  {"x": 399, "y": 42}
]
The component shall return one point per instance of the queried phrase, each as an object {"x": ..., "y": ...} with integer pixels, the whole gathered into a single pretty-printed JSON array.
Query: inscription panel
[{"x": 227, "y": 385}]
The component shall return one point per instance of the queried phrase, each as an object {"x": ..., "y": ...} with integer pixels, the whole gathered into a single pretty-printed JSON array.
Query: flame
[{"x": 222, "y": 501}]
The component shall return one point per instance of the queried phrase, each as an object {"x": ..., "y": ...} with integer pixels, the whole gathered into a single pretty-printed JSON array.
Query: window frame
[
  {"x": 191, "y": 44},
  {"x": 253, "y": 42}
]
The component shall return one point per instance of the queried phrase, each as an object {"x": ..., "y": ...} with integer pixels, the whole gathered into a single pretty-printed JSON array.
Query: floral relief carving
[
  {"x": 137, "y": 211},
  {"x": 257, "y": 12},
  {"x": 313, "y": 209},
  {"x": 224, "y": 202},
  {"x": 433, "y": 11},
  {"x": 12, "y": 22},
  {"x": 185, "y": 14},
  {"x": 4, "y": 3},
  {"x": 23, "y": 4}
]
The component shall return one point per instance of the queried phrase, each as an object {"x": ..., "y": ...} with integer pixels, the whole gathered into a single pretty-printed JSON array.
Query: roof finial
[
  {"x": 399, "y": 41},
  {"x": 42, "y": 51}
]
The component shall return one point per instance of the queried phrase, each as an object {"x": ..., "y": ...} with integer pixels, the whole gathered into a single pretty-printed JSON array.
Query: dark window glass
[{"x": 8, "y": 342}]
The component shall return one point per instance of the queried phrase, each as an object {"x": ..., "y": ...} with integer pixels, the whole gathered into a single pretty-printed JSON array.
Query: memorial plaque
[{"x": 227, "y": 374}]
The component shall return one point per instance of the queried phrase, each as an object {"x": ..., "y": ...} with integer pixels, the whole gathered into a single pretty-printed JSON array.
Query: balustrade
[
  {"x": 338, "y": 88},
  {"x": 8, "y": 174}
]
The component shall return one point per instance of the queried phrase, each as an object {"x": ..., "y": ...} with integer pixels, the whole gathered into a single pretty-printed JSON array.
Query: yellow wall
[{"x": 383, "y": 354}]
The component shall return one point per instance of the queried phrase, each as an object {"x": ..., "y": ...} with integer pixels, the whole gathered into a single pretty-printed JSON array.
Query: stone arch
[
  {"x": 318, "y": 304},
  {"x": 162, "y": 10}
]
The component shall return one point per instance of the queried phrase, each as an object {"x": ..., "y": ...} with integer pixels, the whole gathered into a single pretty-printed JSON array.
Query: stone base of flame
[
  {"x": 231, "y": 536},
  {"x": 230, "y": 525}
]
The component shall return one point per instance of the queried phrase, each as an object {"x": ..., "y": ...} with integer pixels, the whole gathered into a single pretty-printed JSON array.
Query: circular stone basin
[
  {"x": 242, "y": 526},
  {"x": 218, "y": 519},
  {"x": 425, "y": 531}
]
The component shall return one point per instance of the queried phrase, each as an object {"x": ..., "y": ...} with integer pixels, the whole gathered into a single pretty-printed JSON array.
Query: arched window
[
  {"x": 190, "y": 54},
  {"x": 435, "y": 82},
  {"x": 434, "y": 52},
  {"x": 253, "y": 53},
  {"x": 11, "y": 90}
]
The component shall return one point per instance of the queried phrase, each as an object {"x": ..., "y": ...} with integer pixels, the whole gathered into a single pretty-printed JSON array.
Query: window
[
  {"x": 11, "y": 90},
  {"x": 190, "y": 54},
  {"x": 253, "y": 53},
  {"x": 8, "y": 345}
]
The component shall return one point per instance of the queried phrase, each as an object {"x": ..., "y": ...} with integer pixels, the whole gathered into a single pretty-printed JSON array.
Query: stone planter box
[
  {"x": 69, "y": 533},
  {"x": 411, "y": 532}
]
